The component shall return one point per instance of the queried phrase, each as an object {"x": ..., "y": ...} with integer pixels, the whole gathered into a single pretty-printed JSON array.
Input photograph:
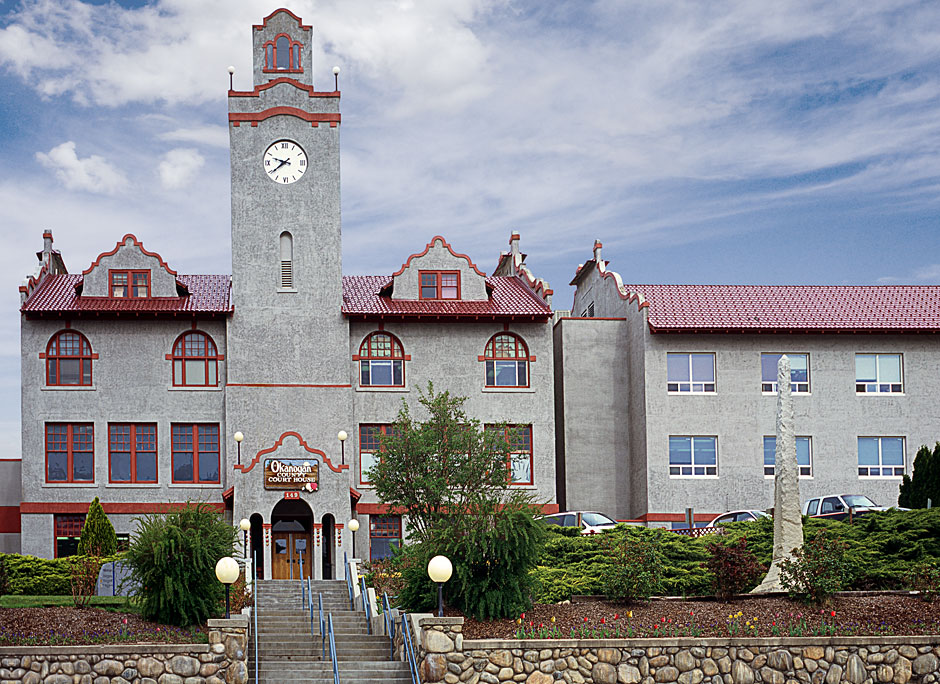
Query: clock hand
[{"x": 283, "y": 161}]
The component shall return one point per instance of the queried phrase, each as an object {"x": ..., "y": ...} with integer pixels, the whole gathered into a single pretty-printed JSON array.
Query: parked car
[
  {"x": 836, "y": 506},
  {"x": 590, "y": 522},
  {"x": 737, "y": 516}
]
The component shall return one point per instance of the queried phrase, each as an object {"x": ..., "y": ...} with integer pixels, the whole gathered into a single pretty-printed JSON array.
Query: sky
[{"x": 722, "y": 142}]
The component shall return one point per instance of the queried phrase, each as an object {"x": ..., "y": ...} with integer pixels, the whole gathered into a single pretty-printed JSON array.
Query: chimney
[
  {"x": 46, "y": 245},
  {"x": 597, "y": 252},
  {"x": 514, "y": 244}
]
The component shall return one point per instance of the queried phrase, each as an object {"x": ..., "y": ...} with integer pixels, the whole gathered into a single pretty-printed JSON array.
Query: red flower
[
  {"x": 531, "y": 623},
  {"x": 541, "y": 625},
  {"x": 664, "y": 619},
  {"x": 833, "y": 613},
  {"x": 616, "y": 616},
  {"x": 603, "y": 621},
  {"x": 523, "y": 616},
  {"x": 656, "y": 626},
  {"x": 585, "y": 619}
]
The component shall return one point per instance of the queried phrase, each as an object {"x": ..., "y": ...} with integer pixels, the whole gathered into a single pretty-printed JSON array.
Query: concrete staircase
[{"x": 288, "y": 653}]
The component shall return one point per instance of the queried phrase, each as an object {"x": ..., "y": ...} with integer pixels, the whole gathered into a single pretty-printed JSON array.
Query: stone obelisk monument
[{"x": 788, "y": 523}]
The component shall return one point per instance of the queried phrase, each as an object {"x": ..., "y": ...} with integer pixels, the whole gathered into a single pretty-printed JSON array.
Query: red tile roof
[
  {"x": 509, "y": 298},
  {"x": 796, "y": 308},
  {"x": 57, "y": 294}
]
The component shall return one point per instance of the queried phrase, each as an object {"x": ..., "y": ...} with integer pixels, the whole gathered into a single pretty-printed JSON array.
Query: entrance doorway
[{"x": 291, "y": 522}]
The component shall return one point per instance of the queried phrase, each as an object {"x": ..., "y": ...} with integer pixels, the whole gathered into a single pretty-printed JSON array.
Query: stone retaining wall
[
  {"x": 221, "y": 661},
  {"x": 444, "y": 656}
]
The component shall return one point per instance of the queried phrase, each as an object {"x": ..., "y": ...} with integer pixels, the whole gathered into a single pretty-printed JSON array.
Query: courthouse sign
[{"x": 292, "y": 473}]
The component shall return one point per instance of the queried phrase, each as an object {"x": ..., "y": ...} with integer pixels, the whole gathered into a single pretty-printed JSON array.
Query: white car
[
  {"x": 836, "y": 506},
  {"x": 590, "y": 522},
  {"x": 738, "y": 516}
]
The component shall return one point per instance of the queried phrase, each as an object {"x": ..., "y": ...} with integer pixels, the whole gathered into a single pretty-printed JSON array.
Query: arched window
[
  {"x": 287, "y": 260},
  {"x": 195, "y": 361},
  {"x": 381, "y": 361},
  {"x": 282, "y": 54},
  {"x": 507, "y": 361},
  {"x": 68, "y": 359}
]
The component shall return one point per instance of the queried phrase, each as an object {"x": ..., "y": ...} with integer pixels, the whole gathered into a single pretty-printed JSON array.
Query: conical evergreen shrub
[{"x": 98, "y": 537}]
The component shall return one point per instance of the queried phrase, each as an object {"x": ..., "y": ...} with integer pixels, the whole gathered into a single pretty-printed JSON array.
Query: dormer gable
[
  {"x": 130, "y": 272},
  {"x": 283, "y": 46},
  {"x": 439, "y": 274}
]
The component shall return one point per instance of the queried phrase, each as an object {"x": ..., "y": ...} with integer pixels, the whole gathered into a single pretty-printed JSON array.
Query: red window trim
[
  {"x": 68, "y": 462},
  {"x": 48, "y": 358},
  {"x": 384, "y": 427},
  {"x": 133, "y": 450},
  {"x": 368, "y": 356},
  {"x": 194, "y": 427},
  {"x": 268, "y": 69},
  {"x": 527, "y": 358},
  {"x": 130, "y": 272},
  {"x": 372, "y": 535},
  {"x": 68, "y": 527},
  {"x": 509, "y": 456},
  {"x": 173, "y": 358},
  {"x": 438, "y": 273}
]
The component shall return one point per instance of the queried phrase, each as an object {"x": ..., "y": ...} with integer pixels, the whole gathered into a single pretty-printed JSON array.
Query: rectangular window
[
  {"x": 133, "y": 284},
  {"x": 384, "y": 533},
  {"x": 68, "y": 531},
  {"x": 439, "y": 284},
  {"x": 804, "y": 456},
  {"x": 519, "y": 463},
  {"x": 693, "y": 456},
  {"x": 70, "y": 452},
  {"x": 370, "y": 448},
  {"x": 880, "y": 456},
  {"x": 381, "y": 373},
  {"x": 132, "y": 453},
  {"x": 878, "y": 374},
  {"x": 196, "y": 453},
  {"x": 693, "y": 373},
  {"x": 799, "y": 372}
]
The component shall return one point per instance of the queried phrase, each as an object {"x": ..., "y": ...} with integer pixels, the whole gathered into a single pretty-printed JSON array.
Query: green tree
[
  {"x": 172, "y": 557},
  {"x": 924, "y": 482},
  {"x": 434, "y": 467},
  {"x": 98, "y": 537},
  {"x": 450, "y": 476}
]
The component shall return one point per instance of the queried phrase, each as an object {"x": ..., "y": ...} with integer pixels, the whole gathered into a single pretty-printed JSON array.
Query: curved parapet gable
[
  {"x": 129, "y": 254},
  {"x": 303, "y": 443},
  {"x": 588, "y": 279},
  {"x": 439, "y": 256},
  {"x": 512, "y": 263}
]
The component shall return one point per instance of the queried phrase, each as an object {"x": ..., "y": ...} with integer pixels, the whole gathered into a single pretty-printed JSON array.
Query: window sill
[
  {"x": 523, "y": 486},
  {"x": 134, "y": 485},
  {"x": 68, "y": 388},
  {"x": 380, "y": 388},
  {"x": 879, "y": 394},
  {"x": 693, "y": 477},
  {"x": 691, "y": 394},
  {"x": 522, "y": 390},
  {"x": 195, "y": 388},
  {"x": 794, "y": 394},
  {"x": 287, "y": 289},
  {"x": 771, "y": 477},
  {"x": 68, "y": 485},
  {"x": 880, "y": 477},
  {"x": 195, "y": 485}
]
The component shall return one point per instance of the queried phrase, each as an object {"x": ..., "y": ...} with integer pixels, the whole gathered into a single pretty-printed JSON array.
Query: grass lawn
[{"x": 117, "y": 604}]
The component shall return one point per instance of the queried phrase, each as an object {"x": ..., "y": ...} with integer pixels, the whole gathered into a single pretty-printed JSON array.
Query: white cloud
[
  {"x": 92, "y": 174},
  {"x": 179, "y": 166},
  {"x": 213, "y": 136}
]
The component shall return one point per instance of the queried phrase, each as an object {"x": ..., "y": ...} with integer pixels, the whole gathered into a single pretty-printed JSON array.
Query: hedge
[{"x": 32, "y": 576}]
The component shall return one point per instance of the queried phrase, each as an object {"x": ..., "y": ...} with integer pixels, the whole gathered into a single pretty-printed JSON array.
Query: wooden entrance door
[{"x": 290, "y": 555}]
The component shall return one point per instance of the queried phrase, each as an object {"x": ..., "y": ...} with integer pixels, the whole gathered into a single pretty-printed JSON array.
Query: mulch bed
[
  {"x": 863, "y": 614},
  {"x": 67, "y": 625}
]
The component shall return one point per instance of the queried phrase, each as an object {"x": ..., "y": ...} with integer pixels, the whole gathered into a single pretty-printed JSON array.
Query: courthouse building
[{"x": 137, "y": 378}]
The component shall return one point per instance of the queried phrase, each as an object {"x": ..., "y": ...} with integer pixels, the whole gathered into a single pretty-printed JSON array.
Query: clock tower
[{"x": 288, "y": 343}]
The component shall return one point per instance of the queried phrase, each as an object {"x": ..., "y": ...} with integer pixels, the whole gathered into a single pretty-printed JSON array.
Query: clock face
[{"x": 285, "y": 162}]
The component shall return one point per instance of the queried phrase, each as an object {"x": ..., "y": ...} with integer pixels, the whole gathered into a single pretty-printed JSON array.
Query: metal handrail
[
  {"x": 303, "y": 593},
  {"x": 365, "y": 604},
  {"x": 349, "y": 586},
  {"x": 409, "y": 649},
  {"x": 322, "y": 627},
  {"x": 254, "y": 614},
  {"x": 389, "y": 625},
  {"x": 333, "y": 653}
]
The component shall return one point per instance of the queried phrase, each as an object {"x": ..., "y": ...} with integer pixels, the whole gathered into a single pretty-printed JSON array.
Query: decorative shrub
[
  {"x": 552, "y": 585},
  {"x": 817, "y": 569},
  {"x": 84, "y": 576},
  {"x": 4, "y": 577},
  {"x": 734, "y": 568},
  {"x": 98, "y": 537},
  {"x": 636, "y": 571},
  {"x": 172, "y": 558},
  {"x": 384, "y": 577},
  {"x": 925, "y": 578},
  {"x": 31, "y": 576}
]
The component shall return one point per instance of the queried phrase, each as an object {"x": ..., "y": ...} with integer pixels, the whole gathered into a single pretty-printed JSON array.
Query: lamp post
[
  {"x": 244, "y": 525},
  {"x": 238, "y": 440},
  {"x": 354, "y": 527},
  {"x": 231, "y": 75},
  {"x": 440, "y": 570},
  {"x": 342, "y": 444},
  {"x": 226, "y": 570},
  {"x": 336, "y": 78}
]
